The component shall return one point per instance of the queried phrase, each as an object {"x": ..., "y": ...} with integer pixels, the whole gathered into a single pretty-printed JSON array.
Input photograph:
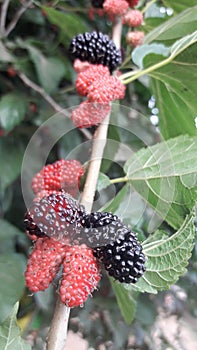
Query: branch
[
  {"x": 58, "y": 331},
  {"x": 41, "y": 91},
  {"x": 16, "y": 18},
  {"x": 4, "y": 10},
  {"x": 49, "y": 99}
]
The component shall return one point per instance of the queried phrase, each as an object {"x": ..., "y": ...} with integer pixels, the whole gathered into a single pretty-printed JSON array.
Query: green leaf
[
  {"x": 49, "y": 70},
  {"x": 114, "y": 204},
  {"x": 12, "y": 110},
  {"x": 10, "y": 338},
  {"x": 175, "y": 90},
  {"x": 103, "y": 182},
  {"x": 180, "y": 5},
  {"x": 175, "y": 28},
  {"x": 158, "y": 172},
  {"x": 11, "y": 155},
  {"x": 112, "y": 144},
  {"x": 8, "y": 236},
  {"x": 167, "y": 257},
  {"x": 131, "y": 214},
  {"x": 12, "y": 276},
  {"x": 69, "y": 24},
  {"x": 126, "y": 301},
  {"x": 141, "y": 51},
  {"x": 5, "y": 56}
]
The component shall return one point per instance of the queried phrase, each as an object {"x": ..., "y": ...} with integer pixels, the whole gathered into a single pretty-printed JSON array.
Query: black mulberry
[
  {"x": 100, "y": 229},
  {"x": 123, "y": 259},
  {"x": 96, "y": 48}
]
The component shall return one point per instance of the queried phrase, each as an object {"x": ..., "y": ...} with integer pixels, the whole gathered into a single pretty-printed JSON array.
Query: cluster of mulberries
[
  {"x": 71, "y": 246},
  {"x": 131, "y": 17},
  {"x": 96, "y": 57},
  {"x": 69, "y": 240}
]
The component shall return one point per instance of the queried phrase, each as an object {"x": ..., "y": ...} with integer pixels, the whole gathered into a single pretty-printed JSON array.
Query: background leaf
[
  {"x": 10, "y": 338},
  {"x": 114, "y": 204},
  {"x": 50, "y": 70},
  {"x": 175, "y": 28},
  {"x": 12, "y": 110},
  {"x": 8, "y": 236},
  {"x": 126, "y": 301},
  {"x": 5, "y": 56},
  {"x": 166, "y": 257},
  {"x": 69, "y": 24},
  {"x": 175, "y": 94},
  {"x": 11, "y": 155},
  {"x": 179, "y": 6},
  {"x": 12, "y": 268}
]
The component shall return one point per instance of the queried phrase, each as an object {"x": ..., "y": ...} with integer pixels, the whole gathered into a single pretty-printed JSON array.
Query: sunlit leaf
[
  {"x": 10, "y": 338},
  {"x": 167, "y": 257},
  {"x": 156, "y": 174}
]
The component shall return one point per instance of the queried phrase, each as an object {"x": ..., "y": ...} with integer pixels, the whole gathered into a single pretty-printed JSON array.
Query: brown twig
[
  {"x": 16, "y": 18},
  {"x": 58, "y": 331},
  {"x": 41, "y": 92},
  {"x": 3, "y": 16},
  {"x": 50, "y": 100}
]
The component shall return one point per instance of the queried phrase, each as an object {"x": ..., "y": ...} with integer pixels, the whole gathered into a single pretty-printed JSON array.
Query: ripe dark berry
[
  {"x": 96, "y": 48},
  {"x": 81, "y": 274},
  {"x": 57, "y": 216},
  {"x": 100, "y": 229},
  {"x": 97, "y": 3},
  {"x": 123, "y": 259},
  {"x": 44, "y": 263}
]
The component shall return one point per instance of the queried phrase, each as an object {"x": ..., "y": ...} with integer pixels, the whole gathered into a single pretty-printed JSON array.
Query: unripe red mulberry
[
  {"x": 109, "y": 90},
  {"x": 115, "y": 8},
  {"x": 135, "y": 38},
  {"x": 63, "y": 174},
  {"x": 81, "y": 275},
  {"x": 44, "y": 263},
  {"x": 91, "y": 74},
  {"x": 90, "y": 114},
  {"x": 133, "y": 18}
]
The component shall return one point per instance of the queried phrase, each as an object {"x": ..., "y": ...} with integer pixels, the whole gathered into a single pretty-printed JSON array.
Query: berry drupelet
[{"x": 96, "y": 48}]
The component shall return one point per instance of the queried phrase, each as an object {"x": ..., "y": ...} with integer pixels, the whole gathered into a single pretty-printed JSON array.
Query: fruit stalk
[{"x": 58, "y": 330}]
